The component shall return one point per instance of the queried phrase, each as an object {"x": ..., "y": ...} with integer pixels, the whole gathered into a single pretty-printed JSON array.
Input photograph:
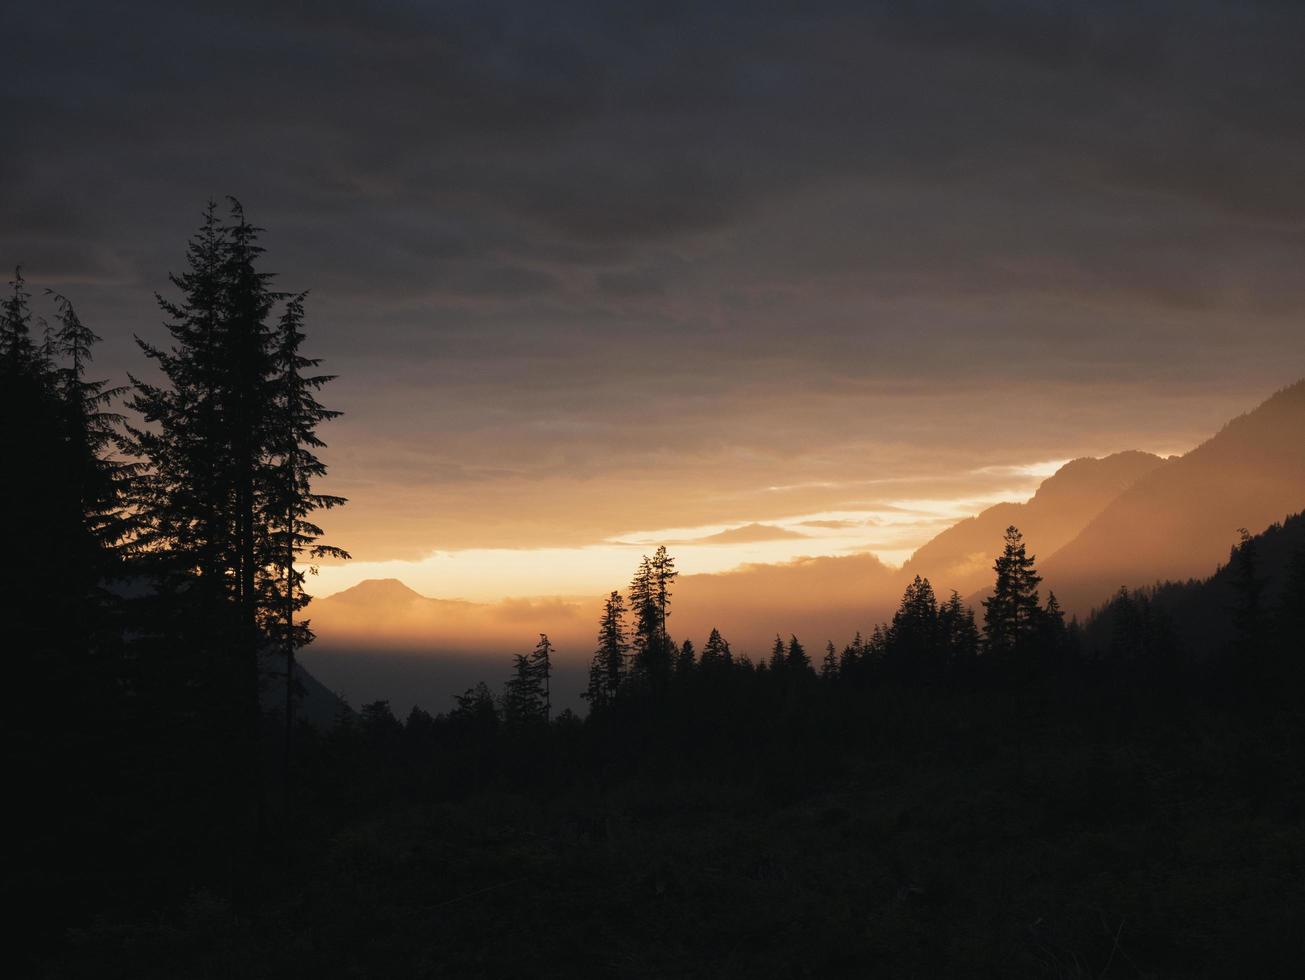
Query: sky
[{"x": 762, "y": 279}]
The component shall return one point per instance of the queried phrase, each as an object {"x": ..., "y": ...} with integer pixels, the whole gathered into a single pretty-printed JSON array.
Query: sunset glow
[{"x": 490, "y": 574}]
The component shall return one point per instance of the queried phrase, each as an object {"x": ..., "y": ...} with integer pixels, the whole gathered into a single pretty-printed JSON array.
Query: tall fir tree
[
  {"x": 959, "y": 635},
  {"x": 16, "y": 326},
  {"x": 649, "y": 600},
  {"x": 1011, "y": 618},
  {"x": 686, "y": 659},
  {"x": 607, "y": 670},
  {"x": 523, "y": 695},
  {"x": 829, "y": 665},
  {"x": 289, "y": 499},
  {"x": 541, "y": 663},
  {"x": 777, "y": 657},
  {"x": 912, "y": 637}
]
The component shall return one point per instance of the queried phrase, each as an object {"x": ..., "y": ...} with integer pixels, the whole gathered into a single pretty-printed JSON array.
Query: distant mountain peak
[{"x": 374, "y": 589}]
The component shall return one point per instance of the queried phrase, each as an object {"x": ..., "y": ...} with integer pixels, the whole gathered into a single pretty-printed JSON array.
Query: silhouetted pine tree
[
  {"x": 476, "y": 711},
  {"x": 686, "y": 660},
  {"x": 607, "y": 670},
  {"x": 523, "y": 695},
  {"x": 829, "y": 666},
  {"x": 1011, "y": 614},
  {"x": 663, "y": 577},
  {"x": 851, "y": 660},
  {"x": 16, "y": 327},
  {"x": 914, "y": 650},
  {"x": 289, "y": 498},
  {"x": 959, "y": 636},
  {"x": 777, "y": 654},
  {"x": 795, "y": 658},
  {"x": 541, "y": 662},
  {"x": 1053, "y": 636},
  {"x": 644, "y": 609},
  {"x": 650, "y": 599},
  {"x": 715, "y": 653}
]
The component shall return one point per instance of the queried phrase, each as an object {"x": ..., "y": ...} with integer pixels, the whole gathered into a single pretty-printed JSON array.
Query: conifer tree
[
  {"x": 777, "y": 654},
  {"x": 796, "y": 659},
  {"x": 541, "y": 662},
  {"x": 850, "y": 660},
  {"x": 16, "y": 326},
  {"x": 715, "y": 653},
  {"x": 663, "y": 577},
  {"x": 829, "y": 666},
  {"x": 1053, "y": 635},
  {"x": 913, "y": 643},
  {"x": 183, "y": 498},
  {"x": 524, "y": 699},
  {"x": 289, "y": 499},
  {"x": 958, "y": 634},
  {"x": 608, "y": 668},
  {"x": 1012, "y": 614},
  {"x": 686, "y": 660},
  {"x": 649, "y": 602},
  {"x": 643, "y": 607}
]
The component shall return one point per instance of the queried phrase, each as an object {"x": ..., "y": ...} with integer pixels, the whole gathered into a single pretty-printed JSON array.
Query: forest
[{"x": 993, "y": 790}]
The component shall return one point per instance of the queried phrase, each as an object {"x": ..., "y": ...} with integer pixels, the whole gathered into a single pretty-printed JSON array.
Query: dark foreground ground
[{"x": 924, "y": 834}]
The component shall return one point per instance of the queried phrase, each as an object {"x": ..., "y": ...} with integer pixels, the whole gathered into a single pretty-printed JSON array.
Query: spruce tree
[
  {"x": 686, "y": 660},
  {"x": 649, "y": 599},
  {"x": 795, "y": 658},
  {"x": 288, "y": 499},
  {"x": 914, "y": 648},
  {"x": 715, "y": 653},
  {"x": 608, "y": 668},
  {"x": 958, "y": 634},
  {"x": 1011, "y": 613},
  {"x": 829, "y": 666},
  {"x": 16, "y": 327},
  {"x": 777, "y": 654},
  {"x": 541, "y": 663},
  {"x": 523, "y": 695},
  {"x": 663, "y": 577}
]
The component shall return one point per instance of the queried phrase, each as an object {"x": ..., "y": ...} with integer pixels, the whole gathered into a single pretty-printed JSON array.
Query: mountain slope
[
  {"x": 1199, "y": 613},
  {"x": 961, "y": 557},
  {"x": 1180, "y": 520}
]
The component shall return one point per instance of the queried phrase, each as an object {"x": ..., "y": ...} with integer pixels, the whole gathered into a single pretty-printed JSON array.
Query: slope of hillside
[
  {"x": 1180, "y": 520},
  {"x": 1199, "y": 613},
  {"x": 961, "y": 557}
]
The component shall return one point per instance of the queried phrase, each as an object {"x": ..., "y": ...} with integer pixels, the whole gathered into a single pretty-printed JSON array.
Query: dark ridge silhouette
[{"x": 1196, "y": 615}]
